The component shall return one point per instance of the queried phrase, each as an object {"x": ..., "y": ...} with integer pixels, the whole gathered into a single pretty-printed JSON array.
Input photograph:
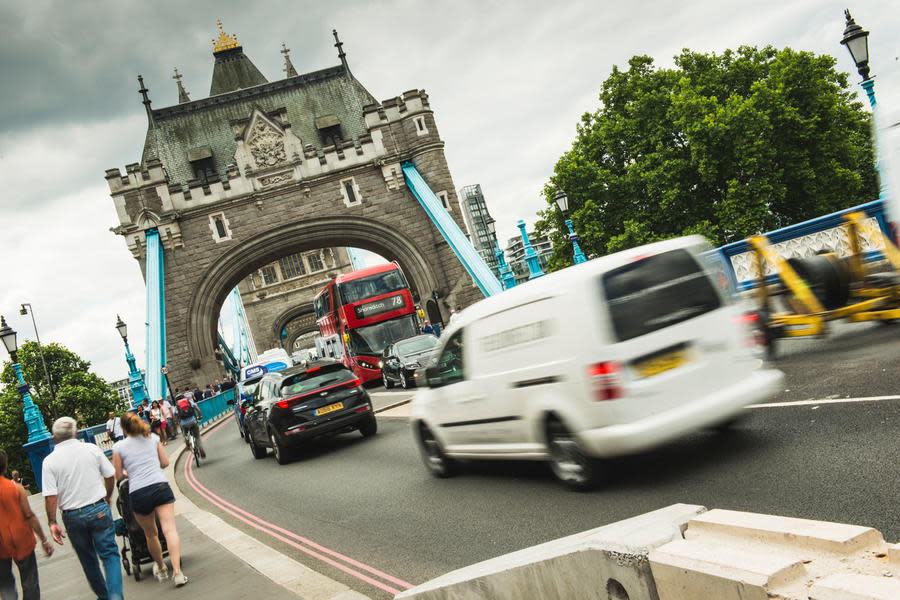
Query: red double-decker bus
[{"x": 360, "y": 313}]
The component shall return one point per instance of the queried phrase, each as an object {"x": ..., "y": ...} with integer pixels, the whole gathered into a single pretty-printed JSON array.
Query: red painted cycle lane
[{"x": 352, "y": 567}]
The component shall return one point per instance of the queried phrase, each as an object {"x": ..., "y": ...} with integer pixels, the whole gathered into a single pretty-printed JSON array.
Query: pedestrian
[
  {"x": 455, "y": 312},
  {"x": 198, "y": 394},
  {"x": 78, "y": 479},
  {"x": 217, "y": 387},
  {"x": 141, "y": 458},
  {"x": 427, "y": 328},
  {"x": 17, "y": 478},
  {"x": 144, "y": 411},
  {"x": 169, "y": 417},
  {"x": 114, "y": 427},
  {"x": 18, "y": 526},
  {"x": 208, "y": 392},
  {"x": 157, "y": 422}
]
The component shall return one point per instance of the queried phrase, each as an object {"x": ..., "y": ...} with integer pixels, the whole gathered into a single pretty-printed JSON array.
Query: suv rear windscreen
[
  {"x": 656, "y": 292},
  {"x": 315, "y": 378}
]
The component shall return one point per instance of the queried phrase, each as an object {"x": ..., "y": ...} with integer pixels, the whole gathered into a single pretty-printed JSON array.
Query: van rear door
[{"x": 674, "y": 339}]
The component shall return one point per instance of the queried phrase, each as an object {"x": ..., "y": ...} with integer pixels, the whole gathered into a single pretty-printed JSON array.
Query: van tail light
[
  {"x": 289, "y": 402},
  {"x": 753, "y": 328},
  {"x": 606, "y": 381}
]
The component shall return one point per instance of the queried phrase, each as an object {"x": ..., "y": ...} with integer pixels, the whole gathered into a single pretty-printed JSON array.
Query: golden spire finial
[{"x": 225, "y": 41}]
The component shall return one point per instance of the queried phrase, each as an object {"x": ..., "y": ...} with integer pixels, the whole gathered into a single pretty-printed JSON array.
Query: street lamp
[
  {"x": 135, "y": 379},
  {"x": 531, "y": 257},
  {"x": 562, "y": 202},
  {"x": 37, "y": 430},
  {"x": 25, "y": 311},
  {"x": 857, "y": 41}
]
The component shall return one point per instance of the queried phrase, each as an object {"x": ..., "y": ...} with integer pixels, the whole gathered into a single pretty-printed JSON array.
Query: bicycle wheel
[{"x": 196, "y": 450}]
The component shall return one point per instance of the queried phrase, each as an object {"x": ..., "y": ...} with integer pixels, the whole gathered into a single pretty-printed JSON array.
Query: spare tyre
[{"x": 827, "y": 277}]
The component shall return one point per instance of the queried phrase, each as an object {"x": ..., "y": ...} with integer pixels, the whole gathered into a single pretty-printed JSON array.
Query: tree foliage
[
  {"x": 722, "y": 145},
  {"x": 79, "y": 394}
]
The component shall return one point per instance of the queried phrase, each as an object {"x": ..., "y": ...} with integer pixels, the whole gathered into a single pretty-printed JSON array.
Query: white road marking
[{"x": 825, "y": 401}]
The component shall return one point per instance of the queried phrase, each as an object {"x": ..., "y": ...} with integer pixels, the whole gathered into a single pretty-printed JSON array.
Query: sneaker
[
  {"x": 202, "y": 454},
  {"x": 180, "y": 579},
  {"x": 160, "y": 574}
]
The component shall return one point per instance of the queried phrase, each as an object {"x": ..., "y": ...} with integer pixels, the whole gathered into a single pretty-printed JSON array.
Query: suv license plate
[
  {"x": 660, "y": 364},
  {"x": 330, "y": 408}
]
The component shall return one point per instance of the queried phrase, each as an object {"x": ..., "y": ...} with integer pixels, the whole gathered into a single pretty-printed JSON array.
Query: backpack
[{"x": 185, "y": 410}]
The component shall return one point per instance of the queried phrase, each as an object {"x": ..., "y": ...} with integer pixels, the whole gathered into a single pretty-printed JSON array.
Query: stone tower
[{"x": 263, "y": 169}]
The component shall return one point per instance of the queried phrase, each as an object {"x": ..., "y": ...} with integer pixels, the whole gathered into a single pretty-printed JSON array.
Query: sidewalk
[{"x": 220, "y": 560}]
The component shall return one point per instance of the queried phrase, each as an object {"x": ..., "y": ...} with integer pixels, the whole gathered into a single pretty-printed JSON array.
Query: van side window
[{"x": 450, "y": 363}]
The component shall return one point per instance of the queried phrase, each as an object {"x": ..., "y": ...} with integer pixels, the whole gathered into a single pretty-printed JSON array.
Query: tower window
[
  {"x": 350, "y": 192},
  {"x": 219, "y": 226},
  {"x": 421, "y": 129},
  {"x": 269, "y": 275},
  {"x": 445, "y": 199},
  {"x": 292, "y": 266},
  {"x": 315, "y": 262},
  {"x": 331, "y": 136}
]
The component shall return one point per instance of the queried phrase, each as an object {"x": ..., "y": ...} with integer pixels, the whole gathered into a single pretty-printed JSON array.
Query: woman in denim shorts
[{"x": 141, "y": 458}]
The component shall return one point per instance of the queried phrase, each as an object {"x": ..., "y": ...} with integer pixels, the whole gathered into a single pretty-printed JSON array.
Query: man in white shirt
[
  {"x": 114, "y": 427},
  {"x": 78, "y": 479}
]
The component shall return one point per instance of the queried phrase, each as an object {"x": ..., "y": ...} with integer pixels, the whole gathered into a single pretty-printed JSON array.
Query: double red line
[{"x": 348, "y": 565}]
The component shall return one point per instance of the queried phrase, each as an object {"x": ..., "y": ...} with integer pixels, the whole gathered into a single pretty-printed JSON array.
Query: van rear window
[{"x": 656, "y": 292}]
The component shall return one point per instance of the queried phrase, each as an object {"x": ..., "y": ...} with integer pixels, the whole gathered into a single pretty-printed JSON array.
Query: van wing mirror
[
  {"x": 230, "y": 402},
  {"x": 433, "y": 377}
]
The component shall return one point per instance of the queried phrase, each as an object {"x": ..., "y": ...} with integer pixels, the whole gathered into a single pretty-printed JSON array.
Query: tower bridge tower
[{"x": 262, "y": 169}]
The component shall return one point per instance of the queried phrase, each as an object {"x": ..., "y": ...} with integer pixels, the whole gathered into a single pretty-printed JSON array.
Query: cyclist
[{"x": 188, "y": 418}]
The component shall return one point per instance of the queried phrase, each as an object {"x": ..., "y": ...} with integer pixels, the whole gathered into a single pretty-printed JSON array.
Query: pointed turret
[
  {"x": 146, "y": 100},
  {"x": 233, "y": 70},
  {"x": 288, "y": 66},
  {"x": 340, "y": 46},
  {"x": 182, "y": 93}
]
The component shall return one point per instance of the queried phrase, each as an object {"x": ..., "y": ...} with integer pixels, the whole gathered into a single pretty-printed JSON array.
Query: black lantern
[
  {"x": 492, "y": 226},
  {"x": 8, "y": 335},
  {"x": 122, "y": 328},
  {"x": 857, "y": 41},
  {"x": 562, "y": 201}
]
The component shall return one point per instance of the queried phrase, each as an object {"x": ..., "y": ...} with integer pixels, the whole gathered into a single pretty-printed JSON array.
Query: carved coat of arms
[{"x": 266, "y": 145}]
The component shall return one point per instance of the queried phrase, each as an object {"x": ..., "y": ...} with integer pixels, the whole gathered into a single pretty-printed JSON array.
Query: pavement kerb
[{"x": 281, "y": 569}]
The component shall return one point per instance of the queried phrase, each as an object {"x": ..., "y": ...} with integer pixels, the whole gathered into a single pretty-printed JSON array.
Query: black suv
[{"x": 320, "y": 398}]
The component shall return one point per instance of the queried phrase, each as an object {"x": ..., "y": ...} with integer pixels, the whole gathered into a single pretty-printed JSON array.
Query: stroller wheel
[
  {"x": 137, "y": 572},
  {"x": 126, "y": 566}
]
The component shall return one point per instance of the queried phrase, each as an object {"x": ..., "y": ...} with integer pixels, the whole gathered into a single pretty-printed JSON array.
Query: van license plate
[
  {"x": 660, "y": 364},
  {"x": 330, "y": 408}
]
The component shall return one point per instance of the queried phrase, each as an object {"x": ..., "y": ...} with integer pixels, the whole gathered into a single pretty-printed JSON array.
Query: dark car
[
  {"x": 246, "y": 389},
  {"x": 301, "y": 403},
  {"x": 401, "y": 360}
]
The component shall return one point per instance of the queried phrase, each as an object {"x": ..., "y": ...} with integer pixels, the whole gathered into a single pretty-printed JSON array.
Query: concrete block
[
  {"x": 603, "y": 563},
  {"x": 848, "y": 586},
  {"x": 729, "y": 555},
  {"x": 894, "y": 557}
]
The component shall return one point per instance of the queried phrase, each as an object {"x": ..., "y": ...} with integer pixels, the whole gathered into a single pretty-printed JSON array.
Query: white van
[{"x": 614, "y": 356}]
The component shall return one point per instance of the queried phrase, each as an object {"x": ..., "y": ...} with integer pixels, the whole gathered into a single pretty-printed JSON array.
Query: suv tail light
[
  {"x": 605, "y": 380},
  {"x": 289, "y": 402}
]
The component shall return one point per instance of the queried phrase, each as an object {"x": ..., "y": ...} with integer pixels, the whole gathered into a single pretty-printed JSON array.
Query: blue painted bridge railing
[{"x": 735, "y": 261}]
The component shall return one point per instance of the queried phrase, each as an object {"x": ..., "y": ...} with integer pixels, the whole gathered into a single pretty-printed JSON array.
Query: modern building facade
[
  {"x": 122, "y": 388},
  {"x": 278, "y": 297},
  {"x": 515, "y": 254},
  {"x": 478, "y": 219}
]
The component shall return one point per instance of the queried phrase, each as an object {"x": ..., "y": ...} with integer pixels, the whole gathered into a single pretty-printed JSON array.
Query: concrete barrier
[
  {"x": 730, "y": 555},
  {"x": 607, "y": 563}
]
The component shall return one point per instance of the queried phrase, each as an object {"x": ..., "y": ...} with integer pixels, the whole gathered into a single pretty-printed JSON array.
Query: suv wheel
[
  {"x": 388, "y": 384},
  {"x": 568, "y": 461},
  {"x": 438, "y": 463},
  {"x": 369, "y": 428},
  {"x": 240, "y": 429},
  {"x": 258, "y": 451},
  {"x": 279, "y": 450},
  {"x": 404, "y": 380}
]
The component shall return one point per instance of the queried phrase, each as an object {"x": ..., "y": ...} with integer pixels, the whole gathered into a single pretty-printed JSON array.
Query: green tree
[
  {"x": 79, "y": 393},
  {"x": 722, "y": 145}
]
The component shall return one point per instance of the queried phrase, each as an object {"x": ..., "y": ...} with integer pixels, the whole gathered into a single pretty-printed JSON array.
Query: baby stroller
[{"x": 133, "y": 535}]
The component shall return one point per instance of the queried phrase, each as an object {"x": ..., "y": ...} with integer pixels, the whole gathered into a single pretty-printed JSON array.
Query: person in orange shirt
[{"x": 18, "y": 526}]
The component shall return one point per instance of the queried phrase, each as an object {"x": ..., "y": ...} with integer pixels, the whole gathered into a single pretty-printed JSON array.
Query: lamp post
[
  {"x": 562, "y": 202},
  {"x": 507, "y": 279},
  {"x": 531, "y": 257},
  {"x": 135, "y": 379},
  {"x": 25, "y": 311},
  {"x": 856, "y": 39},
  {"x": 37, "y": 430}
]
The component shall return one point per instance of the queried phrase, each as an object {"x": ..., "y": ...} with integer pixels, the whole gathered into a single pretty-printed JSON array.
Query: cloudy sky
[{"x": 508, "y": 82}]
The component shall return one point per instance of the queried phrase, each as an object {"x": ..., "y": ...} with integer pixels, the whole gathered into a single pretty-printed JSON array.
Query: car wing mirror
[
  {"x": 230, "y": 402},
  {"x": 245, "y": 404}
]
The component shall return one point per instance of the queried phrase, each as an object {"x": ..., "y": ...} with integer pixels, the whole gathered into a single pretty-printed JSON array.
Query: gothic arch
[{"x": 236, "y": 263}]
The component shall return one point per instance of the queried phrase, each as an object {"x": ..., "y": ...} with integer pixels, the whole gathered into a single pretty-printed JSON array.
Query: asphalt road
[{"x": 373, "y": 501}]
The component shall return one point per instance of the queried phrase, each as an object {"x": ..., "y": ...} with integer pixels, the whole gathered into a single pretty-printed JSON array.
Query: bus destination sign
[{"x": 370, "y": 309}]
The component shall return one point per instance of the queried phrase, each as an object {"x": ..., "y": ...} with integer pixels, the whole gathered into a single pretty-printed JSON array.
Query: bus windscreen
[{"x": 373, "y": 285}]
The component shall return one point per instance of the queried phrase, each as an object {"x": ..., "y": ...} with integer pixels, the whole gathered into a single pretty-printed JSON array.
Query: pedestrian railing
[{"x": 216, "y": 407}]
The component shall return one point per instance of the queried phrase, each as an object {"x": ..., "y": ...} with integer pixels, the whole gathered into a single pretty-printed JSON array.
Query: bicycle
[{"x": 191, "y": 442}]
